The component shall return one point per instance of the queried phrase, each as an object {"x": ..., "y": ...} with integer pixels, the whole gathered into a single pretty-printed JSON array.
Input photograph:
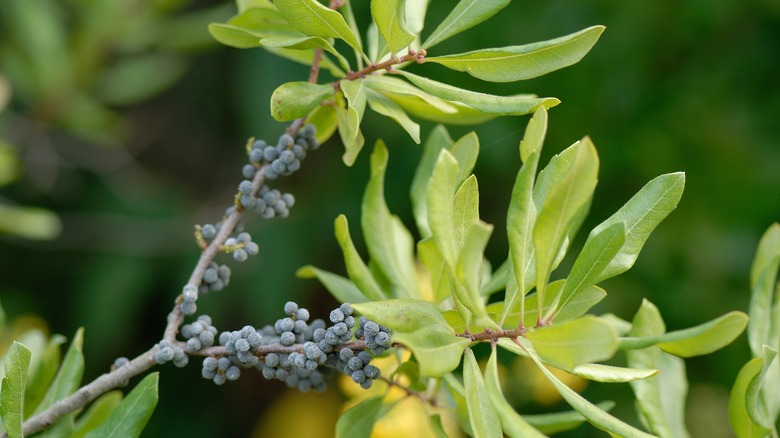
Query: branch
[
  {"x": 493, "y": 335},
  {"x": 411, "y": 56}
]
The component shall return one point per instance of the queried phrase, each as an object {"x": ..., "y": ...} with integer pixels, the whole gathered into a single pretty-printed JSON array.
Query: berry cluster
[
  {"x": 319, "y": 349},
  {"x": 281, "y": 159},
  {"x": 241, "y": 246},
  {"x": 268, "y": 203},
  {"x": 215, "y": 278},
  {"x": 168, "y": 352},
  {"x": 377, "y": 336},
  {"x": 199, "y": 334}
]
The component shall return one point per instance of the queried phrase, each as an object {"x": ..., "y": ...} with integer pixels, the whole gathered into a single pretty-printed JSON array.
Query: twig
[
  {"x": 493, "y": 335},
  {"x": 409, "y": 391}
]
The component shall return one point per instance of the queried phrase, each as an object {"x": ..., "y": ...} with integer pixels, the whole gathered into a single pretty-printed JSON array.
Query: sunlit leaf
[
  {"x": 132, "y": 414},
  {"x": 574, "y": 342},
  {"x": 482, "y": 414},
  {"x": 353, "y": 141},
  {"x": 466, "y": 14},
  {"x": 608, "y": 373},
  {"x": 599, "y": 250},
  {"x": 441, "y": 216},
  {"x": 469, "y": 268},
  {"x": 313, "y": 18},
  {"x": 419, "y": 326},
  {"x": 305, "y": 43},
  {"x": 562, "y": 421},
  {"x": 388, "y": 108},
  {"x": 341, "y": 288},
  {"x": 641, "y": 214},
  {"x": 562, "y": 209},
  {"x": 511, "y": 422},
  {"x": 498, "y": 105},
  {"x": 516, "y": 63},
  {"x": 388, "y": 15},
  {"x": 17, "y": 361},
  {"x": 355, "y": 93},
  {"x": 413, "y": 18},
  {"x": 297, "y": 99}
]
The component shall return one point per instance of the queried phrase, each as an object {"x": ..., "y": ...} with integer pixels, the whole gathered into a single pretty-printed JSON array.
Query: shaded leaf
[
  {"x": 356, "y": 99},
  {"x": 516, "y": 105},
  {"x": 562, "y": 421},
  {"x": 763, "y": 279},
  {"x": 511, "y": 422},
  {"x": 325, "y": 120},
  {"x": 660, "y": 400},
  {"x": 592, "y": 413},
  {"x": 39, "y": 381},
  {"x": 312, "y": 18},
  {"x": 293, "y": 100},
  {"x": 69, "y": 375},
  {"x": 516, "y": 63},
  {"x": 389, "y": 243},
  {"x": 17, "y": 361},
  {"x": 741, "y": 421},
  {"x": 356, "y": 269},
  {"x": 469, "y": 270},
  {"x": 465, "y": 15},
  {"x": 358, "y": 421},
  {"x": 482, "y": 414},
  {"x": 353, "y": 141},
  {"x": 132, "y": 414},
  {"x": 574, "y": 342},
  {"x": 97, "y": 413},
  {"x": 437, "y": 140},
  {"x": 341, "y": 288}
]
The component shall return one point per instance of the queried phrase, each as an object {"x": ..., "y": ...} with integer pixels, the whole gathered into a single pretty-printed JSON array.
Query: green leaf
[
  {"x": 353, "y": 141},
  {"x": 341, "y": 288},
  {"x": 521, "y": 216},
  {"x": 575, "y": 342},
  {"x": 749, "y": 377},
  {"x": 17, "y": 361},
  {"x": 305, "y": 43},
  {"x": 592, "y": 413},
  {"x": 69, "y": 375},
  {"x": 511, "y": 422},
  {"x": 423, "y": 105},
  {"x": 466, "y": 209},
  {"x": 413, "y": 18},
  {"x": 441, "y": 215},
  {"x": 516, "y": 63},
  {"x": 356, "y": 97},
  {"x": 599, "y": 250},
  {"x": 465, "y": 151},
  {"x": 434, "y": 421},
  {"x": 573, "y": 309},
  {"x": 312, "y": 18},
  {"x": 763, "y": 278},
  {"x": 496, "y": 281},
  {"x": 754, "y": 402},
  {"x": 389, "y": 243},
  {"x": 516, "y": 105},
  {"x": 458, "y": 394},
  {"x": 562, "y": 421},
  {"x": 694, "y": 341},
  {"x": 97, "y": 413},
  {"x": 131, "y": 416},
  {"x": 358, "y": 421},
  {"x": 419, "y": 326},
  {"x": 293, "y": 100},
  {"x": 465, "y": 15},
  {"x": 385, "y": 106},
  {"x": 482, "y": 414},
  {"x": 607, "y": 373},
  {"x": 641, "y": 214},
  {"x": 234, "y": 36},
  {"x": 437, "y": 140},
  {"x": 441, "y": 284},
  {"x": 42, "y": 377},
  {"x": 469, "y": 269},
  {"x": 388, "y": 16},
  {"x": 562, "y": 208},
  {"x": 357, "y": 270},
  {"x": 306, "y": 57},
  {"x": 660, "y": 401}
]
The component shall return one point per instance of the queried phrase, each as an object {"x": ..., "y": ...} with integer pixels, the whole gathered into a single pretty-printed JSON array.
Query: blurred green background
[{"x": 127, "y": 122}]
